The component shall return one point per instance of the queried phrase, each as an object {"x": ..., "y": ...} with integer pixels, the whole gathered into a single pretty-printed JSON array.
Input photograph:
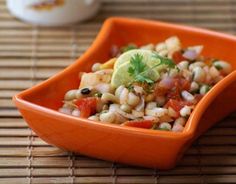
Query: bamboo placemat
[{"x": 29, "y": 54}]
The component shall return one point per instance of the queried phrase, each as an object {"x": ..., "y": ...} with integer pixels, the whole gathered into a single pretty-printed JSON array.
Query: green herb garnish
[
  {"x": 164, "y": 61},
  {"x": 138, "y": 69},
  {"x": 130, "y": 87}
]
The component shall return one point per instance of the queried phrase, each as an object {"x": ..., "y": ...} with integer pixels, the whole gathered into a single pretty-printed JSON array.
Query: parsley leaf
[
  {"x": 164, "y": 60},
  {"x": 138, "y": 69}
]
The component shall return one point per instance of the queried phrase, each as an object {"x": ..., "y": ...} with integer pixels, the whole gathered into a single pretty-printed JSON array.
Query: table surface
[{"x": 30, "y": 54}]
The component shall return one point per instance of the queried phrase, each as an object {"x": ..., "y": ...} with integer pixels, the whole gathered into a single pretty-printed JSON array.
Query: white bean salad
[{"x": 154, "y": 86}]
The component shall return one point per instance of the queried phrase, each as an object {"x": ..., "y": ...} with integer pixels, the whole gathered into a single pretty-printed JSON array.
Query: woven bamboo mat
[{"x": 30, "y": 54}]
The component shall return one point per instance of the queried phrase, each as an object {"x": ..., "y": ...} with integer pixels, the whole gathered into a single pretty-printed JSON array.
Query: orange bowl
[{"x": 150, "y": 148}]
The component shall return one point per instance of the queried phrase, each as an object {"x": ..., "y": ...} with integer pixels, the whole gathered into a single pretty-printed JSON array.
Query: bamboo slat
[
  {"x": 9, "y": 113},
  {"x": 40, "y": 63}
]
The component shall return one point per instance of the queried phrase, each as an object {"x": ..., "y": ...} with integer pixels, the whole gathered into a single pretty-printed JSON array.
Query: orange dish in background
[{"x": 129, "y": 144}]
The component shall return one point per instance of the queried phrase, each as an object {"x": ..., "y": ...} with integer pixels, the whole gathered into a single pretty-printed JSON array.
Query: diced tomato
[
  {"x": 174, "y": 93},
  {"x": 178, "y": 57},
  {"x": 86, "y": 106},
  {"x": 171, "y": 87},
  {"x": 184, "y": 84},
  {"x": 139, "y": 123},
  {"x": 160, "y": 91},
  {"x": 177, "y": 105}
]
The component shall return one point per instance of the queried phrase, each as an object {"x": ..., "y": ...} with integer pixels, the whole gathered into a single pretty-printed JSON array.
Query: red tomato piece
[
  {"x": 171, "y": 87},
  {"x": 184, "y": 84},
  {"x": 174, "y": 94},
  {"x": 177, "y": 105},
  {"x": 160, "y": 91},
  {"x": 86, "y": 106},
  {"x": 178, "y": 57},
  {"x": 139, "y": 123}
]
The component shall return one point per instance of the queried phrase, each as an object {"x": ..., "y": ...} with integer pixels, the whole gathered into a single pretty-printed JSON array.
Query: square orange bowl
[{"x": 150, "y": 148}]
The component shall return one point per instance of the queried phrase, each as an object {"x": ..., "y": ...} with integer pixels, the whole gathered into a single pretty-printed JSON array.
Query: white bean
[
  {"x": 195, "y": 64},
  {"x": 165, "y": 126},
  {"x": 79, "y": 94},
  {"x": 185, "y": 111},
  {"x": 65, "y": 110},
  {"x": 188, "y": 75},
  {"x": 173, "y": 44},
  {"x": 124, "y": 96},
  {"x": 187, "y": 96},
  {"x": 138, "y": 90},
  {"x": 133, "y": 100},
  {"x": 152, "y": 118},
  {"x": 120, "y": 119},
  {"x": 137, "y": 114},
  {"x": 223, "y": 66},
  {"x": 75, "y": 112},
  {"x": 163, "y": 53},
  {"x": 119, "y": 90},
  {"x": 108, "y": 97},
  {"x": 96, "y": 67},
  {"x": 140, "y": 105},
  {"x": 69, "y": 104},
  {"x": 151, "y": 105},
  {"x": 94, "y": 118},
  {"x": 114, "y": 107},
  {"x": 70, "y": 95},
  {"x": 204, "y": 89},
  {"x": 180, "y": 121},
  {"x": 108, "y": 117},
  {"x": 177, "y": 128},
  {"x": 160, "y": 47},
  {"x": 194, "y": 86},
  {"x": 214, "y": 72},
  {"x": 199, "y": 74},
  {"x": 183, "y": 65},
  {"x": 125, "y": 107},
  {"x": 104, "y": 88},
  {"x": 157, "y": 111}
]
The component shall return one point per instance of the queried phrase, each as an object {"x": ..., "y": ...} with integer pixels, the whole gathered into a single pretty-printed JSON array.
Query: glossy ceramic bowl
[{"x": 149, "y": 148}]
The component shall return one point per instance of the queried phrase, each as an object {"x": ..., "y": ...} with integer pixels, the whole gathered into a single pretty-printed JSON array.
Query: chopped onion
[
  {"x": 190, "y": 54},
  {"x": 140, "y": 106},
  {"x": 193, "y": 52},
  {"x": 167, "y": 82}
]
